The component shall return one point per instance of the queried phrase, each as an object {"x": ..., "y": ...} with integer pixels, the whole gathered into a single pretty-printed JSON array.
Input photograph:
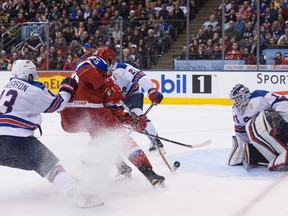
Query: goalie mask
[
  {"x": 239, "y": 96},
  {"x": 23, "y": 68}
]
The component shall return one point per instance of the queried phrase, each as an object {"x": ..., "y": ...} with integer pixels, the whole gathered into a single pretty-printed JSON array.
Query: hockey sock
[
  {"x": 138, "y": 158},
  {"x": 61, "y": 179}
]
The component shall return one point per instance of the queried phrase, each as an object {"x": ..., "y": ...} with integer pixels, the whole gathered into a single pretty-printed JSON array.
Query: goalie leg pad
[
  {"x": 252, "y": 157},
  {"x": 237, "y": 152},
  {"x": 279, "y": 163},
  {"x": 258, "y": 130}
]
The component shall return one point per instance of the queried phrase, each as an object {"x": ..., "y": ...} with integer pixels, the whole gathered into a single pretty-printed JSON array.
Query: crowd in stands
[
  {"x": 240, "y": 32},
  {"x": 77, "y": 27}
]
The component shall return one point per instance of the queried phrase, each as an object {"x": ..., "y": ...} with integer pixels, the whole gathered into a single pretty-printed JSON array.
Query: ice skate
[
  {"x": 124, "y": 169},
  {"x": 157, "y": 143},
  {"x": 152, "y": 177},
  {"x": 84, "y": 200}
]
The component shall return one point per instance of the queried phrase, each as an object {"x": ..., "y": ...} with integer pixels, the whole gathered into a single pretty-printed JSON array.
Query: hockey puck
[{"x": 177, "y": 164}]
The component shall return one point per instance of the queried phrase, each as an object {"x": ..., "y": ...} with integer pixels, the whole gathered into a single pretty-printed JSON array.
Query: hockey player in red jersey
[{"x": 88, "y": 112}]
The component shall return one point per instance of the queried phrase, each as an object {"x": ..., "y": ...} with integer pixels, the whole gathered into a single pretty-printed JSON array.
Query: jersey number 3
[{"x": 10, "y": 102}]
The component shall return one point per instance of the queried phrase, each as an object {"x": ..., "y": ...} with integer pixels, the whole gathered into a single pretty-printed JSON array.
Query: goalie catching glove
[
  {"x": 155, "y": 96},
  {"x": 113, "y": 91},
  {"x": 69, "y": 85},
  {"x": 138, "y": 123}
]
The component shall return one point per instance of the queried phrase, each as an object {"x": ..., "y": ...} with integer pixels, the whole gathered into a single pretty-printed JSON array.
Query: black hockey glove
[{"x": 69, "y": 85}]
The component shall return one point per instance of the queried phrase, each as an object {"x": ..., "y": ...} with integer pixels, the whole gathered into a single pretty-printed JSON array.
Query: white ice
[{"x": 202, "y": 186}]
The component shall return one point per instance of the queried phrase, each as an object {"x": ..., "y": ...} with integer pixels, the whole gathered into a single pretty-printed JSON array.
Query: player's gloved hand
[
  {"x": 69, "y": 85},
  {"x": 113, "y": 91},
  {"x": 155, "y": 96},
  {"x": 138, "y": 123}
]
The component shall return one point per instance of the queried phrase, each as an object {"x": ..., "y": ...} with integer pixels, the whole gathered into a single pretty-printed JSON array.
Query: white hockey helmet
[
  {"x": 239, "y": 96},
  {"x": 23, "y": 68}
]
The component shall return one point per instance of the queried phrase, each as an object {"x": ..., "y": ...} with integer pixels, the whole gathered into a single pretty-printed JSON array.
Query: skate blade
[
  {"x": 125, "y": 175},
  {"x": 157, "y": 182},
  {"x": 91, "y": 205},
  {"x": 159, "y": 185}
]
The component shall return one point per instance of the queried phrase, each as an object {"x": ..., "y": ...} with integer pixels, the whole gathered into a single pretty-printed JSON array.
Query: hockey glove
[
  {"x": 155, "y": 96},
  {"x": 138, "y": 123},
  {"x": 69, "y": 85},
  {"x": 113, "y": 91}
]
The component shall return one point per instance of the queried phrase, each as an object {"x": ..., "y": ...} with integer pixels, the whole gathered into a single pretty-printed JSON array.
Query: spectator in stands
[
  {"x": 201, "y": 37},
  {"x": 209, "y": 33},
  {"x": 245, "y": 9},
  {"x": 234, "y": 54},
  {"x": 231, "y": 31},
  {"x": 3, "y": 64},
  {"x": 268, "y": 15},
  {"x": 252, "y": 47},
  {"x": 279, "y": 60},
  {"x": 88, "y": 12},
  {"x": 69, "y": 64},
  {"x": 276, "y": 30},
  {"x": 284, "y": 38},
  {"x": 135, "y": 56},
  {"x": 116, "y": 33},
  {"x": 135, "y": 37},
  {"x": 55, "y": 13},
  {"x": 247, "y": 34},
  {"x": 215, "y": 38},
  {"x": 231, "y": 16},
  {"x": 179, "y": 18},
  {"x": 201, "y": 55},
  {"x": 217, "y": 53},
  {"x": 212, "y": 21},
  {"x": 239, "y": 25},
  {"x": 208, "y": 48},
  {"x": 34, "y": 42},
  {"x": 26, "y": 53},
  {"x": 79, "y": 30},
  {"x": 193, "y": 49},
  {"x": 90, "y": 26},
  {"x": 248, "y": 57},
  {"x": 150, "y": 43},
  {"x": 110, "y": 41},
  {"x": 163, "y": 12},
  {"x": 183, "y": 53},
  {"x": 161, "y": 37}
]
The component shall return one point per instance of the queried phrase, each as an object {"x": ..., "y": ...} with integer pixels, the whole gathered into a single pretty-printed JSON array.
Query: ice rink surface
[{"x": 202, "y": 186}]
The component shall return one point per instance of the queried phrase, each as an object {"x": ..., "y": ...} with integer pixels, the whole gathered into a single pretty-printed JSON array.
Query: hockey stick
[
  {"x": 202, "y": 144},
  {"x": 164, "y": 159},
  {"x": 197, "y": 145},
  {"x": 159, "y": 150},
  {"x": 149, "y": 108}
]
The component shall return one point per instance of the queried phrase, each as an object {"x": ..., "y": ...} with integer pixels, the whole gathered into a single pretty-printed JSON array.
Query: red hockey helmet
[{"x": 107, "y": 54}]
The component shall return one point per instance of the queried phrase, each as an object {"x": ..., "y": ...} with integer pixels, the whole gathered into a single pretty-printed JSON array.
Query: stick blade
[{"x": 205, "y": 143}]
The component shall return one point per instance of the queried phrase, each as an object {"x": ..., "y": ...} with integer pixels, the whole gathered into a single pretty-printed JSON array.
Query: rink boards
[{"x": 189, "y": 87}]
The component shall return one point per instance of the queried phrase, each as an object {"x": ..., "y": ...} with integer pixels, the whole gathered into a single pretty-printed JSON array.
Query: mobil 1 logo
[{"x": 201, "y": 84}]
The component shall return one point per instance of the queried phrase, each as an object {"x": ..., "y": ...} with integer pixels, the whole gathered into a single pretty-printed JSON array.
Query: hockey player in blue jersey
[
  {"x": 261, "y": 128},
  {"x": 21, "y": 103},
  {"x": 131, "y": 80}
]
